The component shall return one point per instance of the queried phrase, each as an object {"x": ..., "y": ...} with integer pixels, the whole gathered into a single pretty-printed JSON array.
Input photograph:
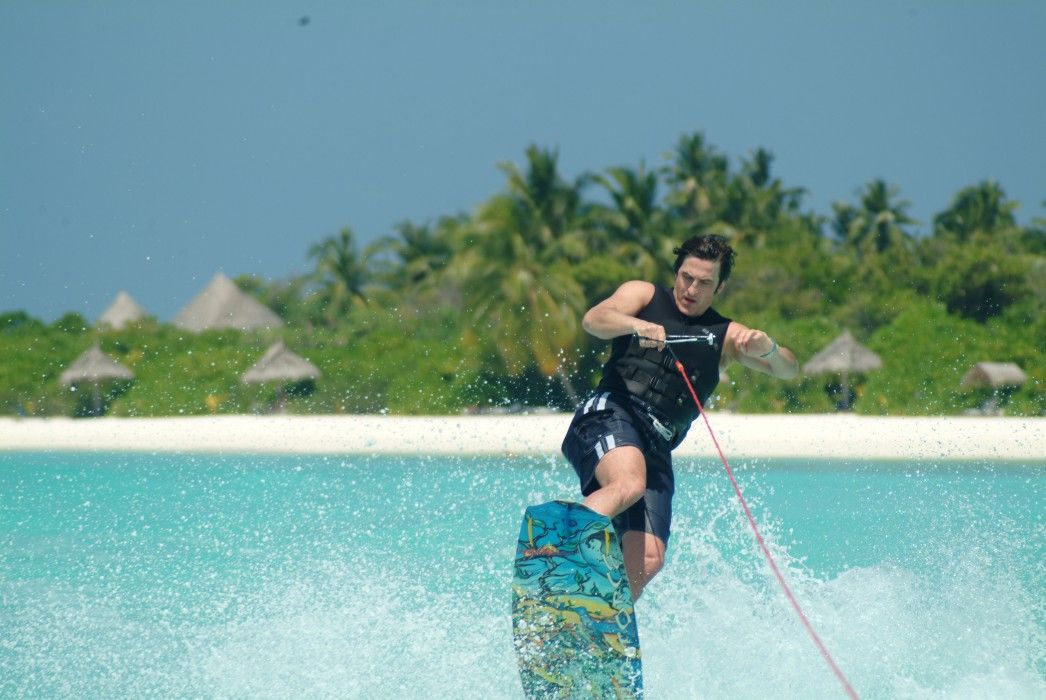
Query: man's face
[{"x": 697, "y": 282}]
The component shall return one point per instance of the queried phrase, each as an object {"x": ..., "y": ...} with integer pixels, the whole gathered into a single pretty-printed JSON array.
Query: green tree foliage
[
  {"x": 1034, "y": 236},
  {"x": 636, "y": 229},
  {"x": 981, "y": 209},
  {"x": 282, "y": 296},
  {"x": 976, "y": 260},
  {"x": 878, "y": 225},
  {"x": 875, "y": 239},
  {"x": 482, "y": 311},
  {"x": 420, "y": 253},
  {"x": 759, "y": 206},
  {"x": 518, "y": 288},
  {"x": 13, "y": 321},
  {"x": 72, "y": 322},
  {"x": 979, "y": 280},
  {"x": 697, "y": 177},
  {"x": 342, "y": 275}
]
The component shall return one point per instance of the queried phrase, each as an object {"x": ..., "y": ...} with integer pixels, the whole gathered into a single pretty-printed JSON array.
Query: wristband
[{"x": 770, "y": 352}]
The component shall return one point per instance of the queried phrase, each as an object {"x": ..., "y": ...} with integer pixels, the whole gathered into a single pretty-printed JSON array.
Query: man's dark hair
[{"x": 707, "y": 247}]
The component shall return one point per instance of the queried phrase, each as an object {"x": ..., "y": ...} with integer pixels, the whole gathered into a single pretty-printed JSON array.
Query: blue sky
[{"x": 145, "y": 146}]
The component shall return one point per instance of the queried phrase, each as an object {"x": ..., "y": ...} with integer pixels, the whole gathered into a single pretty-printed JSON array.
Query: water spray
[{"x": 751, "y": 520}]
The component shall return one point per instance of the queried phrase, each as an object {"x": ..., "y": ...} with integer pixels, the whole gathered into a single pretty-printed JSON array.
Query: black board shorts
[{"x": 607, "y": 421}]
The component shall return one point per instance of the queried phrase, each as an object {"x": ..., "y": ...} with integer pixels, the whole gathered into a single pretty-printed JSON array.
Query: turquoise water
[{"x": 245, "y": 576}]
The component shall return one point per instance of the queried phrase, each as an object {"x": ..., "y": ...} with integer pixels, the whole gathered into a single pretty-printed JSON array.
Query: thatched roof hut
[
  {"x": 92, "y": 367},
  {"x": 122, "y": 311},
  {"x": 279, "y": 364},
  {"x": 843, "y": 355},
  {"x": 224, "y": 305},
  {"x": 993, "y": 375}
]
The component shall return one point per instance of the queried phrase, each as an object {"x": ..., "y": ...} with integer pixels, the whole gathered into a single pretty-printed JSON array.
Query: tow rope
[{"x": 758, "y": 535}]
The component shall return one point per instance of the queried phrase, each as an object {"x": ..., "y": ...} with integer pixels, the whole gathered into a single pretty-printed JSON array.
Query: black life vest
[{"x": 650, "y": 375}]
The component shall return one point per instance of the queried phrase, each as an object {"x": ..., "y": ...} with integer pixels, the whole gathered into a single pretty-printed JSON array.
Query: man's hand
[
  {"x": 756, "y": 350},
  {"x": 650, "y": 335},
  {"x": 755, "y": 343}
]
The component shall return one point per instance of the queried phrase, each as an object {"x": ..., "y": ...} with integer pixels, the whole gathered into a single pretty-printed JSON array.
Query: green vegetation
[{"x": 483, "y": 310}]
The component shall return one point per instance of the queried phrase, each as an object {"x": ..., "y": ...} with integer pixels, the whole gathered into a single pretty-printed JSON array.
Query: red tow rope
[{"x": 762, "y": 544}]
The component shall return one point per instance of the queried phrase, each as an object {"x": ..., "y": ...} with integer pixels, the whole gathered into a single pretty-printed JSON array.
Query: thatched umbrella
[
  {"x": 843, "y": 356},
  {"x": 94, "y": 367},
  {"x": 122, "y": 311},
  {"x": 993, "y": 375},
  {"x": 224, "y": 305},
  {"x": 280, "y": 365},
  {"x": 997, "y": 380}
]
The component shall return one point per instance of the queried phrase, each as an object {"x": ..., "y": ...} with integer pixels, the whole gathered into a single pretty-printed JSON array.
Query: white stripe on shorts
[
  {"x": 604, "y": 445},
  {"x": 598, "y": 402}
]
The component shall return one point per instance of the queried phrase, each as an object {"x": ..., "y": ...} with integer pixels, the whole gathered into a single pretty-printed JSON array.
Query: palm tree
[
  {"x": 514, "y": 272},
  {"x": 758, "y": 203},
  {"x": 530, "y": 310},
  {"x": 981, "y": 208},
  {"x": 421, "y": 253},
  {"x": 636, "y": 227},
  {"x": 777, "y": 199},
  {"x": 977, "y": 262},
  {"x": 697, "y": 179},
  {"x": 877, "y": 225},
  {"x": 342, "y": 274},
  {"x": 550, "y": 209}
]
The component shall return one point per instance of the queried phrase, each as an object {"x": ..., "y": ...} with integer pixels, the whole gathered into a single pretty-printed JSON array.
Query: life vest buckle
[{"x": 663, "y": 430}]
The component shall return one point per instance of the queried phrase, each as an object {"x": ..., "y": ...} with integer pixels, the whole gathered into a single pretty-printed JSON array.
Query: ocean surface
[{"x": 157, "y": 575}]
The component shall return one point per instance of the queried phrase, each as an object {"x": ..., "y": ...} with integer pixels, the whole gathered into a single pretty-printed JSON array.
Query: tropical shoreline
[{"x": 815, "y": 436}]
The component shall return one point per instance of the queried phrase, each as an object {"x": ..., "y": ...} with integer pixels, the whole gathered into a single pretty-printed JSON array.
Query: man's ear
[{"x": 719, "y": 288}]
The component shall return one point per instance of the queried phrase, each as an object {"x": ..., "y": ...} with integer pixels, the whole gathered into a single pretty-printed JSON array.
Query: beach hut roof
[
  {"x": 94, "y": 366},
  {"x": 844, "y": 354},
  {"x": 993, "y": 375},
  {"x": 224, "y": 305},
  {"x": 279, "y": 364},
  {"x": 122, "y": 311}
]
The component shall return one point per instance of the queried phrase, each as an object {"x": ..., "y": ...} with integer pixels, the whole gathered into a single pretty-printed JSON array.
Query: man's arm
[
  {"x": 756, "y": 350},
  {"x": 616, "y": 315}
]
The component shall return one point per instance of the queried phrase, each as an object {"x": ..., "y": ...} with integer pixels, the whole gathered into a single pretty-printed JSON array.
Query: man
[{"x": 620, "y": 439}]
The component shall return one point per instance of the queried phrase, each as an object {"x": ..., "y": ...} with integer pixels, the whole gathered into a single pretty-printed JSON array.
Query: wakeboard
[{"x": 573, "y": 619}]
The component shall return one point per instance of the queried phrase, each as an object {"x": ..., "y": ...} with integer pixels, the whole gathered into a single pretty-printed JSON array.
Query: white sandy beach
[{"x": 824, "y": 436}]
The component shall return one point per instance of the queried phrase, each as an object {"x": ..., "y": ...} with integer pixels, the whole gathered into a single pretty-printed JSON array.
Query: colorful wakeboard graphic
[{"x": 573, "y": 621}]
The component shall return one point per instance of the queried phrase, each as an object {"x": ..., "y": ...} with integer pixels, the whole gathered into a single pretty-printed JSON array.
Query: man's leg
[
  {"x": 621, "y": 475},
  {"x": 644, "y": 557}
]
